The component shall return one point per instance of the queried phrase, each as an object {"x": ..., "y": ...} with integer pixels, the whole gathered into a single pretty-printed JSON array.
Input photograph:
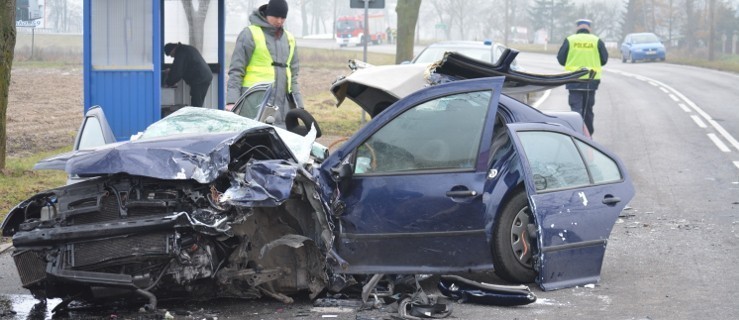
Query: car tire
[
  {"x": 633, "y": 60},
  {"x": 623, "y": 58},
  {"x": 513, "y": 250},
  {"x": 292, "y": 124}
]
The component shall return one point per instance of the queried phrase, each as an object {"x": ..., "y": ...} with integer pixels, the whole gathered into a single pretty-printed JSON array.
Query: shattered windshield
[{"x": 193, "y": 120}]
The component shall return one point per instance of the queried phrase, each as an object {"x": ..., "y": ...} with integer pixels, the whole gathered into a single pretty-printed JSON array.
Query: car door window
[
  {"x": 554, "y": 160},
  {"x": 249, "y": 106},
  {"x": 443, "y": 133},
  {"x": 558, "y": 161},
  {"x": 91, "y": 135},
  {"x": 602, "y": 168}
]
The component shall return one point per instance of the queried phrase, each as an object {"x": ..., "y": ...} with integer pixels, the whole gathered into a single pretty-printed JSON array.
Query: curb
[{"x": 5, "y": 246}]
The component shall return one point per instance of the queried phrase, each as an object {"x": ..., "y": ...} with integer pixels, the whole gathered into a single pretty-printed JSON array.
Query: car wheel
[
  {"x": 513, "y": 250},
  {"x": 623, "y": 58},
  {"x": 633, "y": 60},
  {"x": 292, "y": 124}
]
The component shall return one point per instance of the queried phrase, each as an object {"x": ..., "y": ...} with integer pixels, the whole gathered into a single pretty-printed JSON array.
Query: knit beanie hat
[
  {"x": 169, "y": 47},
  {"x": 277, "y": 8}
]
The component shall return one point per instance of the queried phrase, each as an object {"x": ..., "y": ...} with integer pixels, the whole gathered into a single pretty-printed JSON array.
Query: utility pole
[{"x": 711, "y": 30}]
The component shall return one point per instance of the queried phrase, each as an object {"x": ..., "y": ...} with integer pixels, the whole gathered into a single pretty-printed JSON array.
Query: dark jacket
[
  {"x": 190, "y": 66},
  {"x": 564, "y": 50}
]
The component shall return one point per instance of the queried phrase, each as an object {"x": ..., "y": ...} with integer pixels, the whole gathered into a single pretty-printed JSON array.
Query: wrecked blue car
[{"x": 449, "y": 176}]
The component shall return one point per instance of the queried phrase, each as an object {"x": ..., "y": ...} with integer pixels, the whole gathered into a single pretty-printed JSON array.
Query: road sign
[{"x": 373, "y": 4}]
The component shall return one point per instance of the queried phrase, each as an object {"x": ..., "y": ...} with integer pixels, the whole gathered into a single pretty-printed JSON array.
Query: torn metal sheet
[
  {"x": 265, "y": 183},
  {"x": 465, "y": 290}
]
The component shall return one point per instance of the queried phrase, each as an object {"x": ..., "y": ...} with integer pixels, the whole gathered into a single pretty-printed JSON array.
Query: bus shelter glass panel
[{"x": 121, "y": 34}]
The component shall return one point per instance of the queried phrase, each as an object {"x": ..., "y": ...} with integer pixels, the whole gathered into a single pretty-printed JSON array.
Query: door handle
[
  {"x": 461, "y": 193},
  {"x": 610, "y": 200}
]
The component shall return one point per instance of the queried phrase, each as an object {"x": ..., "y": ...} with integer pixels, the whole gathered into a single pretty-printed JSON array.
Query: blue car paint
[
  {"x": 388, "y": 211},
  {"x": 380, "y": 229},
  {"x": 573, "y": 224},
  {"x": 647, "y": 51}
]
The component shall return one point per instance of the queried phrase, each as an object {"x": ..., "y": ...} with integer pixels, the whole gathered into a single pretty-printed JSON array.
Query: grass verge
[{"x": 18, "y": 180}]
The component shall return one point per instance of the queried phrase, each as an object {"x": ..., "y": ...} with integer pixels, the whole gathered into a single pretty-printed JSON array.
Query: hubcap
[{"x": 520, "y": 244}]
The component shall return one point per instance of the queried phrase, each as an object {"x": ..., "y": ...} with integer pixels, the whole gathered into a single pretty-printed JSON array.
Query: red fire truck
[{"x": 350, "y": 29}]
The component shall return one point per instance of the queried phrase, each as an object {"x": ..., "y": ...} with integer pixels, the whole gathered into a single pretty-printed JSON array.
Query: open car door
[
  {"x": 563, "y": 170},
  {"x": 413, "y": 201}
]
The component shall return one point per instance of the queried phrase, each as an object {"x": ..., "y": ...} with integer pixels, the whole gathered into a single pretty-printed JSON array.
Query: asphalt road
[{"x": 672, "y": 255}]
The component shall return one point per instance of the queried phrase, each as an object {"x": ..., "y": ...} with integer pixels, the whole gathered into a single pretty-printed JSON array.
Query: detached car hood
[
  {"x": 192, "y": 143},
  {"x": 376, "y": 87}
]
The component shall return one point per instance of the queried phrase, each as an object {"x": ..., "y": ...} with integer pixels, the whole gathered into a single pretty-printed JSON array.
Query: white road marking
[
  {"x": 736, "y": 164},
  {"x": 653, "y": 83},
  {"x": 542, "y": 99},
  {"x": 684, "y": 107},
  {"x": 674, "y": 98},
  {"x": 720, "y": 144},
  {"x": 724, "y": 133},
  {"x": 698, "y": 121},
  {"x": 734, "y": 143},
  {"x": 664, "y": 90}
]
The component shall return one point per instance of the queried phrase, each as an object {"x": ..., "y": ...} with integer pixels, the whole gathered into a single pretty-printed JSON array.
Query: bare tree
[
  {"x": 7, "y": 48},
  {"x": 196, "y": 21},
  {"x": 407, "y": 11},
  {"x": 445, "y": 20},
  {"x": 304, "y": 16}
]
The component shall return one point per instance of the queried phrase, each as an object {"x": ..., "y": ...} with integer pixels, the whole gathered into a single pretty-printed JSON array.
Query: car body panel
[
  {"x": 574, "y": 221},
  {"x": 376, "y": 87},
  {"x": 412, "y": 210}
]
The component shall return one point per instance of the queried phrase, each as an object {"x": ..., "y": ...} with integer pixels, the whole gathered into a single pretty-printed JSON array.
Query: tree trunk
[
  {"x": 304, "y": 17},
  {"x": 407, "y": 18},
  {"x": 196, "y": 21},
  {"x": 7, "y": 47}
]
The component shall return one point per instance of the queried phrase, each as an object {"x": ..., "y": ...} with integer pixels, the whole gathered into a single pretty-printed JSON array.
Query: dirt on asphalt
[{"x": 46, "y": 105}]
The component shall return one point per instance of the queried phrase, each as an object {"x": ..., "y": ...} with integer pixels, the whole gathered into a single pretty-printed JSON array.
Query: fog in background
[{"x": 693, "y": 24}]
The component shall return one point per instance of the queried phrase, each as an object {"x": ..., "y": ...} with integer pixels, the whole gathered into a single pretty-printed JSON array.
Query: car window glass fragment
[{"x": 443, "y": 133}]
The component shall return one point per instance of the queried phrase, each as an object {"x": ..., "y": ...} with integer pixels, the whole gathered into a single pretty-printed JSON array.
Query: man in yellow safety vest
[
  {"x": 265, "y": 52},
  {"x": 583, "y": 50}
]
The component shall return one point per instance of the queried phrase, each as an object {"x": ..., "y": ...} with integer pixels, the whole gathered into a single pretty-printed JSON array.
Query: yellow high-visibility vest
[
  {"x": 260, "y": 68},
  {"x": 583, "y": 53}
]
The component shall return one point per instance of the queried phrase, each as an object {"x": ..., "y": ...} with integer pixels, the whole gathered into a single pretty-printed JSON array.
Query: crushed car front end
[{"x": 223, "y": 214}]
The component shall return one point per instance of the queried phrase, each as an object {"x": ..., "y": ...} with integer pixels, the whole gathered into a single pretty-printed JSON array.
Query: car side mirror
[{"x": 341, "y": 172}]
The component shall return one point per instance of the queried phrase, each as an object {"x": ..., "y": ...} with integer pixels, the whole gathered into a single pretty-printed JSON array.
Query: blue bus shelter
[{"x": 124, "y": 57}]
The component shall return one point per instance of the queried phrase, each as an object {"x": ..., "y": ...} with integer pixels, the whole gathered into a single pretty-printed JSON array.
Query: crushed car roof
[{"x": 373, "y": 87}]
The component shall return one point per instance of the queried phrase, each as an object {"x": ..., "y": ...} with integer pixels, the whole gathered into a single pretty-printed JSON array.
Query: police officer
[
  {"x": 266, "y": 52},
  {"x": 583, "y": 50}
]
